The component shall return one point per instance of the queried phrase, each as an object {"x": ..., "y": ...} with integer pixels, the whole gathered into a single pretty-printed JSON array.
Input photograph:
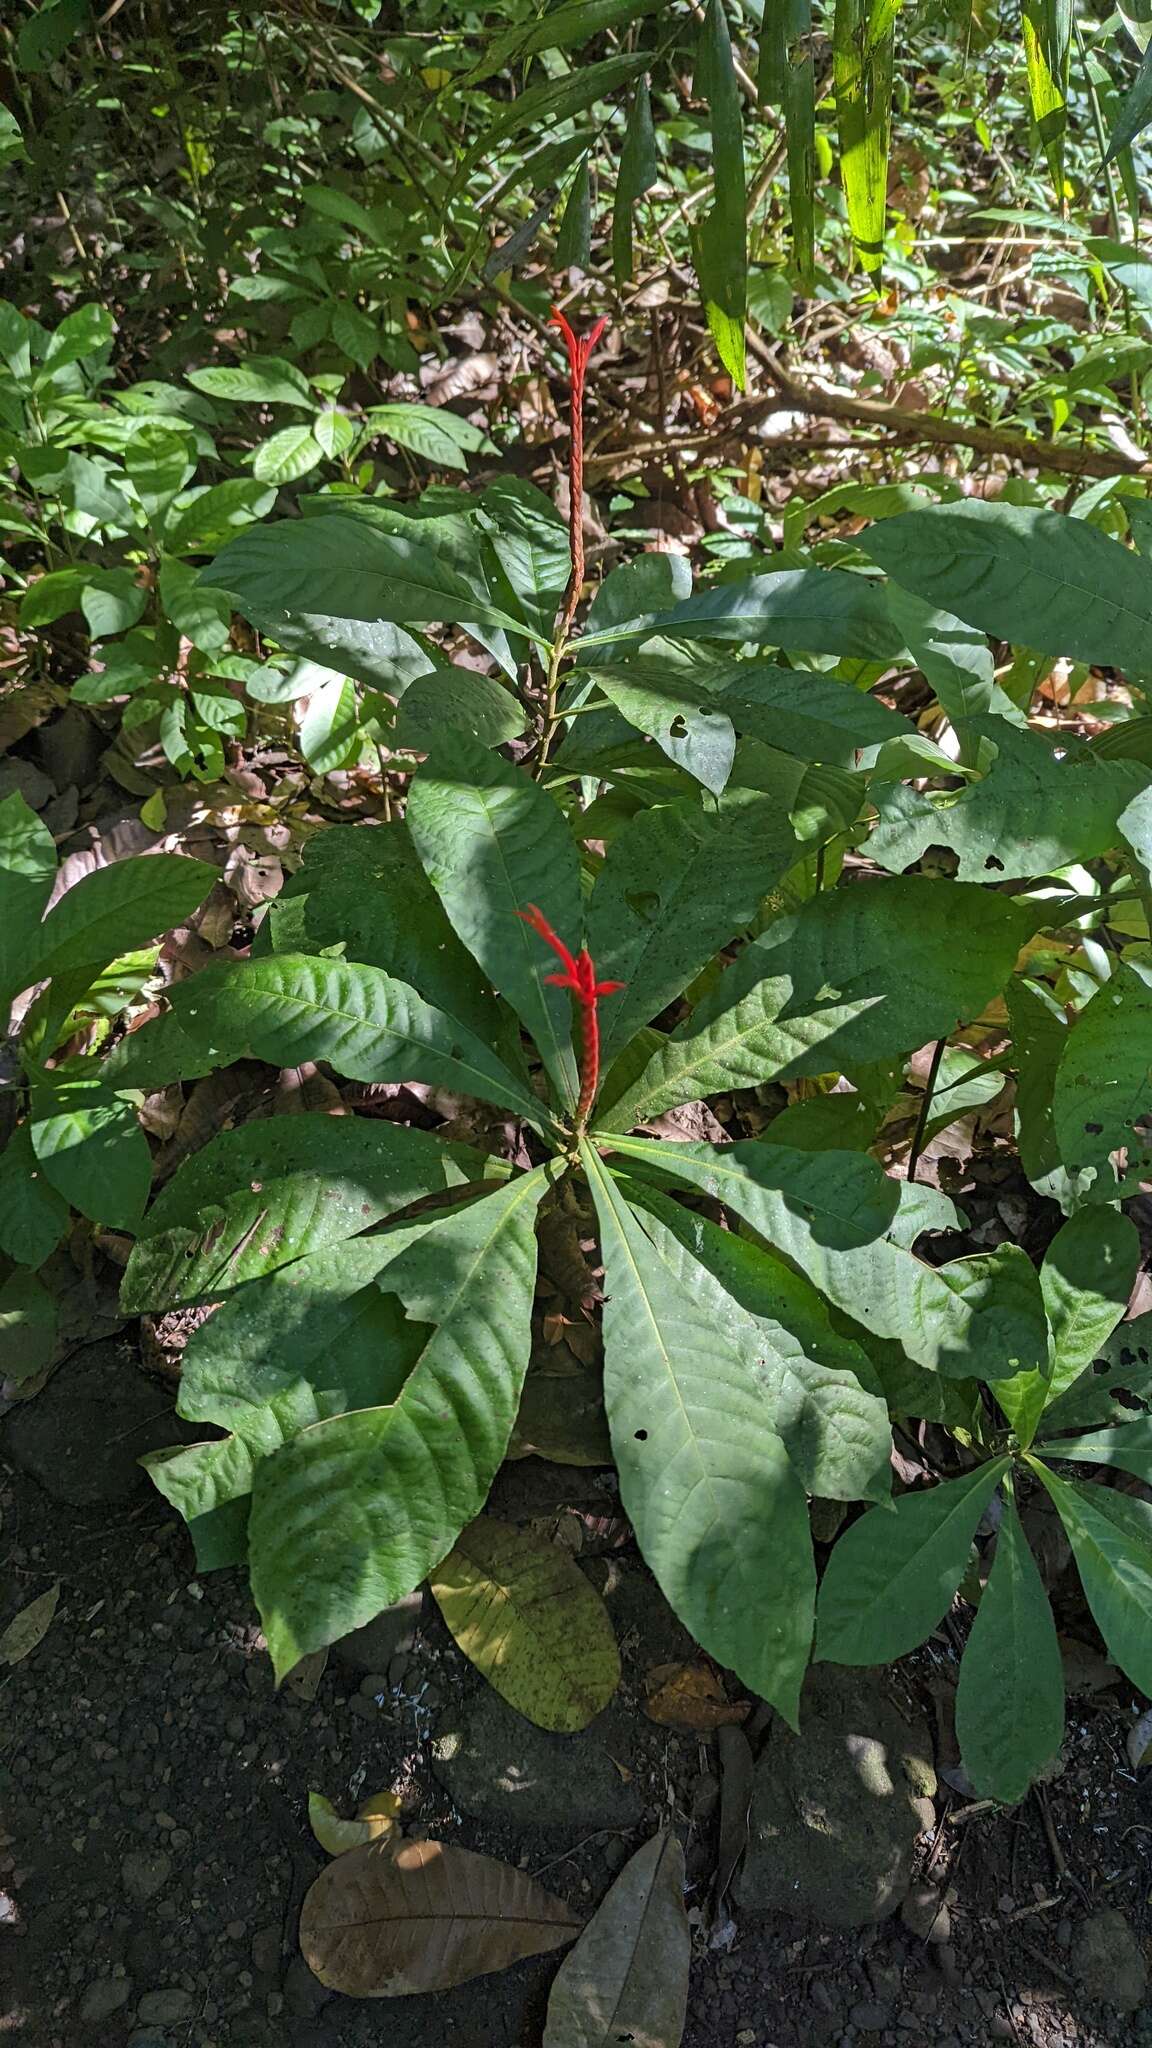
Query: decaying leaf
[
  {"x": 736, "y": 1768},
  {"x": 690, "y": 1696},
  {"x": 29, "y": 1628},
  {"x": 627, "y": 1977},
  {"x": 525, "y": 1614},
  {"x": 375, "y": 1821},
  {"x": 303, "y": 1681},
  {"x": 392, "y": 1920}
]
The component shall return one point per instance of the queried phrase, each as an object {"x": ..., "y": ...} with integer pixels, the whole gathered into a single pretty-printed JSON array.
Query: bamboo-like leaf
[
  {"x": 718, "y": 1511},
  {"x": 721, "y": 243},
  {"x": 637, "y": 173},
  {"x": 1047, "y": 51},
  {"x": 862, "y": 74},
  {"x": 1135, "y": 110},
  {"x": 396, "y": 1919},
  {"x": 574, "y": 241}
]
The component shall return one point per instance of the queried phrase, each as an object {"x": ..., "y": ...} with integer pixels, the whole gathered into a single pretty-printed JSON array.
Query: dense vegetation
[{"x": 591, "y": 893}]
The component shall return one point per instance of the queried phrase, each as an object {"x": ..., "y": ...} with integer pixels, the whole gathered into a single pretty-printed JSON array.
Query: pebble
[
  {"x": 925, "y": 1914},
  {"x": 144, "y": 1873},
  {"x": 871, "y": 2016},
  {"x": 103, "y": 1998},
  {"x": 166, "y": 2008}
]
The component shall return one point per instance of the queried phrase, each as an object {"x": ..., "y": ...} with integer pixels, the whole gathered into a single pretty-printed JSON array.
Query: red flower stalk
[
  {"x": 580, "y": 976},
  {"x": 579, "y": 349}
]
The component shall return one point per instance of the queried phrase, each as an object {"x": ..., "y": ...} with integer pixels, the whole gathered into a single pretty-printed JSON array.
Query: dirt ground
[{"x": 156, "y": 1847}]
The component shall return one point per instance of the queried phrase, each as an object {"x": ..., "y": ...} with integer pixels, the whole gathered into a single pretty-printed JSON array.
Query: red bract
[
  {"x": 580, "y": 976},
  {"x": 579, "y": 349}
]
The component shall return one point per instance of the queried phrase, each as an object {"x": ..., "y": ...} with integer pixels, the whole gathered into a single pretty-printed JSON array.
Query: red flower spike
[
  {"x": 580, "y": 976},
  {"x": 579, "y": 349}
]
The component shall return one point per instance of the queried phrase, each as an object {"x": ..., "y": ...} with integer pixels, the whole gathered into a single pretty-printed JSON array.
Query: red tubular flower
[
  {"x": 580, "y": 976},
  {"x": 579, "y": 349}
]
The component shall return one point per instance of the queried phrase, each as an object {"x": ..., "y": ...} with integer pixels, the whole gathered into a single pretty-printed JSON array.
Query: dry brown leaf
[
  {"x": 29, "y": 1628},
  {"x": 303, "y": 1681},
  {"x": 690, "y": 1696},
  {"x": 627, "y": 1977},
  {"x": 393, "y": 1920}
]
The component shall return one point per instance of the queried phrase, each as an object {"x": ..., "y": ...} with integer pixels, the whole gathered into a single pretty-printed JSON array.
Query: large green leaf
[
  {"x": 1134, "y": 111},
  {"x": 362, "y": 890},
  {"x": 1103, "y": 1080},
  {"x": 461, "y": 698},
  {"x": 676, "y": 883},
  {"x": 116, "y": 909},
  {"x": 33, "y": 1216},
  {"x": 804, "y": 713},
  {"x": 835, "y": 1215},
  {"x": 530, "y": 542},
  {"x": 1035, "y": 811},
  {"x": 1034, "y": 577},
  {"x": 353, "y": 1513},
  {"x": 636, "y": 173},
  {"x": 1111, "y": 1538},
  {"x": 91, "y": 1148},
  {"x": 1127, "y": 1448},
  {"x": 291, "y": 1008},
  {"x": 258, "y": 1197},
  {"x": 27, "y": 872},
  {"x": 492, "y": 842},
  {"x": 1039, "y": 1030},
  {"x": 858, "y": 974},
  {"x": 956, "y": 661},
  {"x": 893, "y": 1575},
  {"x": 1010, "y": 1699},
  {"x": 336, "y": 567},
  {"x": 1101, "y": 1394},
  {"x": 822, "y": 611},
  {"x": 719, "y": 1514},
  {"x": 1085, "y": 1281},
  {"x": 676, "y": 709},
  {"x": 820, "y": 1387}
]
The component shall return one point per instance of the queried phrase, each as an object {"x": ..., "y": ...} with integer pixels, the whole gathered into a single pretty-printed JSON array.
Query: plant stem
[
  {"x": 926, "y": 1104},
  {"x": 551, "y": 693}
]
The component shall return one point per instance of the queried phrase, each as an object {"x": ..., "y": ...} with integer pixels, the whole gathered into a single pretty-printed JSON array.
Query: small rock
[
  {"x": 373, "y": 1683},
  {"x": 103, "y": 1998},
  {"x": 166, "y": 2008},
  {"x": 871, "y": 2016},
  {"x": 615, "y": 1853},
  {"x": 835, "y": 1814},
  {"x": 1001, "y": 2027},
  {"x": 144, "y": 1874},
  {"x": 371, "y": 1648},
  {"x": 266, "y": 1952},
  {"x": 496, "y": 1766},
  {"x": 925, "y": 1914},
  {"x": 1109, "y": 1961}
]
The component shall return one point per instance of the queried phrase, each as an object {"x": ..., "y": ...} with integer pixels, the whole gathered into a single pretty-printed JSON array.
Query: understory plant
[{"x": 782, "y": 832}]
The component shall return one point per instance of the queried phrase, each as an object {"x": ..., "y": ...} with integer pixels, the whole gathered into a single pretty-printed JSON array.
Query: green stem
[{"x": 925, "y": 1106}]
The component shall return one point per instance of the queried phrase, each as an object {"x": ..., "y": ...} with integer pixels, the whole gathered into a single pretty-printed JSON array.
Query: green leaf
[
  {"x": 1102, "y": 1082},
  {"x": 813, "y": 716},
  {"x": 530, "y": 543},
  {"x": 823, "y": 611},
  {"x": 45, "y": 35},
  {"x": 29, "y": 1325},
  {"x": 1134, "y": 111},
  {"x": 461, "y": 699},
  {"x": 857, "y": 975},
  {"x": 956, "y": 661},
  {"x": 288, "y": 1009},
  {"x": 33, "y": 1217},
  {"x": 1100, "y": 1395},
  {"x": 330, "y": 729},
  {"x": 1127, "y": 1448},
  {"x": 91, "y": 1148},
  {"x": 1047, "y": 46},
  {"x": 27, "y": 873},
  {"x": 1086, "y": 1279},
  {"x": 523, "y": 1612},
  {"x": 112, "y": 601},
  {"x": 259, "y": 380},
  {"x": 677, "y": 882},
  {"x": 115, "y": 909},
  {"x": 636, "y": 174},
  {"x": 719, "y": 1514},
  {"x": 838, "y": 1218},
  {"x": 352, "y": 1514},
  {"x": 204, "y": 616},
  {"x": 572, "y": 21},
  {"x": 542, "y": 106},
  {"x": 720, "y": 245},
  {"x": 333, "y": 432},
  {"x": 820, "y": 1387},
  {"x": 1010, "y": 1699},
  {"x": 289, "y": 454},
  {"x": 894, "y": 1574},
  {"x": 574, "y": 239},
  {"x": 1035, "y": 811},
  {"x": 1111, "y": 1538},
  {"x": 52, "y": 597},
  {"x": 1026, "y": 574},
  {"x": 684, "y": 719},
  {"x": 213, "y": 514},
  {"x": 258, "y": 1197},
  {"x": 362, "y": 891},
  {"x": 1039, "y": 1029},
  {"x": 492, "y": 841},
  {"x": 441, "y": 437},
  {"x": 325, "y": 571},
  {"x": 862, "y": 66},
  {"x": 83, "y": 332},
  {"x": 314, "y": 1339}
]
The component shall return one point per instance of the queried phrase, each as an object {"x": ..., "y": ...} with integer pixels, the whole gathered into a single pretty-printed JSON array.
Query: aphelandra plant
[{"x": 773, "y": 1303}]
